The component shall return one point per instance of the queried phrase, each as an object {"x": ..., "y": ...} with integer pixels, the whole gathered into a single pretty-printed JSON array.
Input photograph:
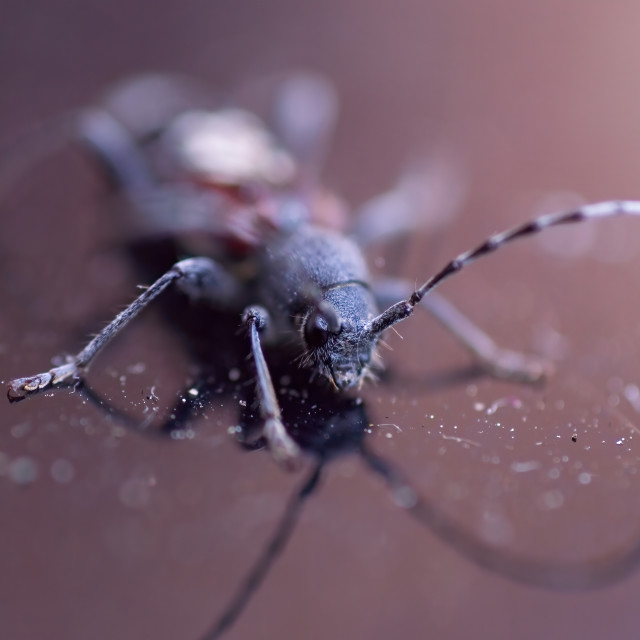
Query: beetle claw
[
  {"x": 518, "y": 367},
  {"x": 283, "y": 448},
  {"x": 20, "y": 388}
]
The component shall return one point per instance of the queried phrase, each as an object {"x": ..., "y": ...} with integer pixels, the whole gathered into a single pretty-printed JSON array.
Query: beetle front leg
[
  {"x": 284, "y": 449},
  {"x": 498, "y": 361},
  {"x": 198, "y": 277}
]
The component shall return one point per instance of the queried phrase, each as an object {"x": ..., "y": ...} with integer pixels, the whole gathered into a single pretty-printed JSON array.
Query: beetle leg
[
  {"x": 282, "y": 446},
  {"x": 121, "y": 158},
  {"x": 156, "y": 208},
  {"x": 145, "y": 104},
  {"x": 497, "y": 361},
  {"x": 427, "y": 196},
  {"x": 198, "y": 277},
  {"x": 116, "y": 150},
  {"x": 304, "y": 116}
]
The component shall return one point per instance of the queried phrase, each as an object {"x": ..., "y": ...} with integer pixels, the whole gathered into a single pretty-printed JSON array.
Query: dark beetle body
[
  {"x": 193, "y": 167},
  {"x": 333, "y": 265}
]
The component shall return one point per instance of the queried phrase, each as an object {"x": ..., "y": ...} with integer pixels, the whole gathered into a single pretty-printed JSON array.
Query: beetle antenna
[
  {"x": 567, "y": 576},
  {"x": 269, "y": 555},
  {"x": 403, "y": 309}
]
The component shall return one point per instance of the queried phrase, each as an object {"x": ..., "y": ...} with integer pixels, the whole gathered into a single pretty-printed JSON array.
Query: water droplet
[
  {"x": 23, "y": 470},
  {"x": 553, "y": 499},
  {"x": 584, "y": 478},
  {"x": 496, "y": 528},
  {"x": 62, "y": 471},
  {"x": 135, "y": 493},
  {"x": 524, "y": 467},
  {"x": 405, "y": 497}
]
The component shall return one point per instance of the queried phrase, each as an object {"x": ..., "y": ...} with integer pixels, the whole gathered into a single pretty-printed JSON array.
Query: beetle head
[{"x": 338, "y": 344}]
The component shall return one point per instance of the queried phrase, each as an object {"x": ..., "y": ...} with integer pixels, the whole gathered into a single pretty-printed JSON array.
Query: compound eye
[{"x": 316, "y": 330}]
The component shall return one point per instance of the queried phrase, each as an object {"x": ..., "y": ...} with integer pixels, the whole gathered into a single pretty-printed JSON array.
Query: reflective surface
[{"x": 109, "y": 534}]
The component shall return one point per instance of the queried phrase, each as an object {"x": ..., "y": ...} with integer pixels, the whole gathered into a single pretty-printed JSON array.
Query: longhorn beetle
[
  {"x": 268, "y": 242},
  {"x": 277, "y": 247}
]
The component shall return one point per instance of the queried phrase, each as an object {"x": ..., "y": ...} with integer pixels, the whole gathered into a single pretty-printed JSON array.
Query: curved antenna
[
  {"x": 567, "y": 576},
  {"x": 269, "y": 555},
  {"x": 404, "y": 308}
]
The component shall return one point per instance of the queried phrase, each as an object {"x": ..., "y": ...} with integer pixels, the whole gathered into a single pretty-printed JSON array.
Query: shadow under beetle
[{"x": 272, "y": 245}]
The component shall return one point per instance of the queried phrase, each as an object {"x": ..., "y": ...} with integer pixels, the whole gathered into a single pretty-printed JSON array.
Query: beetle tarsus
[
  {"x": 283, "y": 449},
  {"x": 506, "y": 364},
  {"x": 282, "y": 446},
  {"x": 21, "y": 388}
]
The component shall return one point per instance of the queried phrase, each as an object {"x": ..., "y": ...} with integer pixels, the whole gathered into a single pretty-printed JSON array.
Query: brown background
[{"x": 118, "y": 536}]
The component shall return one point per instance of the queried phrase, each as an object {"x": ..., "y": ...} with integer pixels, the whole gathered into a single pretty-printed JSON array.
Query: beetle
[
  {"x": 277, "y": 244},
  {"x": 265, "y": 240}
]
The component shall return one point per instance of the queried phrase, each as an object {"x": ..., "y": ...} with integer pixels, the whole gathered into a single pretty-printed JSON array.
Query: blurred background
[{"x": 106, "y": 534}]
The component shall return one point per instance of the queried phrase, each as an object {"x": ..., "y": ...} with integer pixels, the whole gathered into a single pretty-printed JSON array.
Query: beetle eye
[{"x": 316, "y": 330}]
